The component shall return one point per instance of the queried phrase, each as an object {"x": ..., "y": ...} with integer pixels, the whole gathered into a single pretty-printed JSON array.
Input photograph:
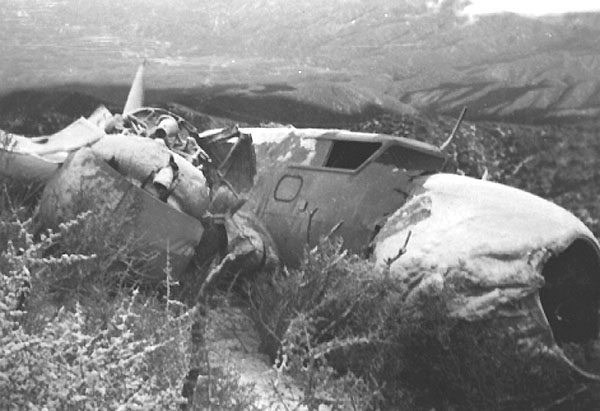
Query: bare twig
[
  {"x": 555, "y": 404},
  {"x": 519, "y": 166},
  {"x": 401, "y": 252}
]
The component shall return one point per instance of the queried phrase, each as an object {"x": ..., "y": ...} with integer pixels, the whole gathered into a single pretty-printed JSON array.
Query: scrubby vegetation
[
  {"x": 75, "y": 336},
  {"x": 76, "y": 332},
  {"x": 342, "y": 329}
]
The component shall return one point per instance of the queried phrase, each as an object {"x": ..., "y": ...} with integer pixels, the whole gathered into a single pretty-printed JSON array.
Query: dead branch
[{"x": 401, "y": 252}]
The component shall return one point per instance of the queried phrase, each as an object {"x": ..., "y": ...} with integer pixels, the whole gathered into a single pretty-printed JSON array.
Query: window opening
[{"x": 350, "y": 155}]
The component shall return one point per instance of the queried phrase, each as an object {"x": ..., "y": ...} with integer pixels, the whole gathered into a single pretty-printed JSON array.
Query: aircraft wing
[{"x": 37, "y": 158}]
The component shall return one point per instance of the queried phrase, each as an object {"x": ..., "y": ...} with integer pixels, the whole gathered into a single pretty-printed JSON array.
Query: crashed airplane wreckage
[{"x": 244, "y": 200}]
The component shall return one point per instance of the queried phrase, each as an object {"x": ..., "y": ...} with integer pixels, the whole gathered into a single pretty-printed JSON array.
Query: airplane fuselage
[{"x": 310, "y": 181}]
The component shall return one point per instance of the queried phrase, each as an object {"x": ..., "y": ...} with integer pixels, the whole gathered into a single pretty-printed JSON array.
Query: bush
[
  {"x": 67, "y": 367},
  {"x": 67, "y": 361},
  {"x": 121, "y": 258},
  {"x": 301, "y": 322},
  {"x": 73, "y": 338},
  {"x": 343, "y": 330},
  {"x": 449, "y": 362}
]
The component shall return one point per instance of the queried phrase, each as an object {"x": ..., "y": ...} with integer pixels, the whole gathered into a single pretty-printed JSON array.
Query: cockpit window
[
  {"x": 350, "y": 155},
  {"x": 410, "y": 159}
]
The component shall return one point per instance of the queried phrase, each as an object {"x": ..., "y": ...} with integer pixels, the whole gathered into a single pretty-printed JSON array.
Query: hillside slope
[{"x": 343, "y": 55}]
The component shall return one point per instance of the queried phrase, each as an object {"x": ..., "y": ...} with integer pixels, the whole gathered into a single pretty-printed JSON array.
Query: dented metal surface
[
  {"x": 310, "y": 180},
  {"x": 493, "y": 245},
  {"x": 142, "y": 159},
  {"x": 85, "y": 179}
]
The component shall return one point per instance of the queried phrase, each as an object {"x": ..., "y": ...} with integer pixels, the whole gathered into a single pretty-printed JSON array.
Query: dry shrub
[
  {"x": 65, "y": 358},
  {"x": 337, "y": 324},
  {"x": 299, "y": 321},
  {"x": 450, "y": 363},
  {"x": 73, "y": 338},
  {"x": 121, "y": 257}
]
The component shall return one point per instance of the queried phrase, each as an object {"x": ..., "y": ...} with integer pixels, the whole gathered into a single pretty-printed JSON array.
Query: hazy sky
[{"x": 531, "y": 7}]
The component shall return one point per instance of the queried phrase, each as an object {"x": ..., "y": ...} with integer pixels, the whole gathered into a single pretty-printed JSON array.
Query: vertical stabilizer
[{"x": 135, "y": 99}]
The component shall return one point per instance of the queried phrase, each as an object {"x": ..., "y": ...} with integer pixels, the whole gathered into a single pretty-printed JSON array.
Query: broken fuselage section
[
  {"x": 311, "y": 181},
  {"x": 520, "y": 259}
]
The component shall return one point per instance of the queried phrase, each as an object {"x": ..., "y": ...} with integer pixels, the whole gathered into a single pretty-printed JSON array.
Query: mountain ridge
[{"x": 386, "y": 53}]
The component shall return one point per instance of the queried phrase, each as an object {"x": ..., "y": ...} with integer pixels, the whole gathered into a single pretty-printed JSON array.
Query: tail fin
[{"x": 135, "y": 98}]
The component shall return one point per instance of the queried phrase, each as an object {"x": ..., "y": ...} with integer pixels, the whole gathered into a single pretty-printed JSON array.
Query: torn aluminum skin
[{"x": 169, "y": 233}]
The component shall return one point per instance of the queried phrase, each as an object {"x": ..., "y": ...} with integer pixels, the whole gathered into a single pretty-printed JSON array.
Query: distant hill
[{"x": 340, "y": 55}]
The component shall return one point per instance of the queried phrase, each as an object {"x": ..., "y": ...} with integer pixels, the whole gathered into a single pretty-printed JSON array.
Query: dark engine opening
[{"x": 570, "y": 297}]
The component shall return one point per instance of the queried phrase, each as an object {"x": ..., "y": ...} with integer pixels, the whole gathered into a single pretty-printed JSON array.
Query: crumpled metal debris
[
  {"x": 250, "y": 250},
  {"x": 86, "y": 179},
  {"x": 142, "y": 159},
  {"x": 176, "y": 185}
]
